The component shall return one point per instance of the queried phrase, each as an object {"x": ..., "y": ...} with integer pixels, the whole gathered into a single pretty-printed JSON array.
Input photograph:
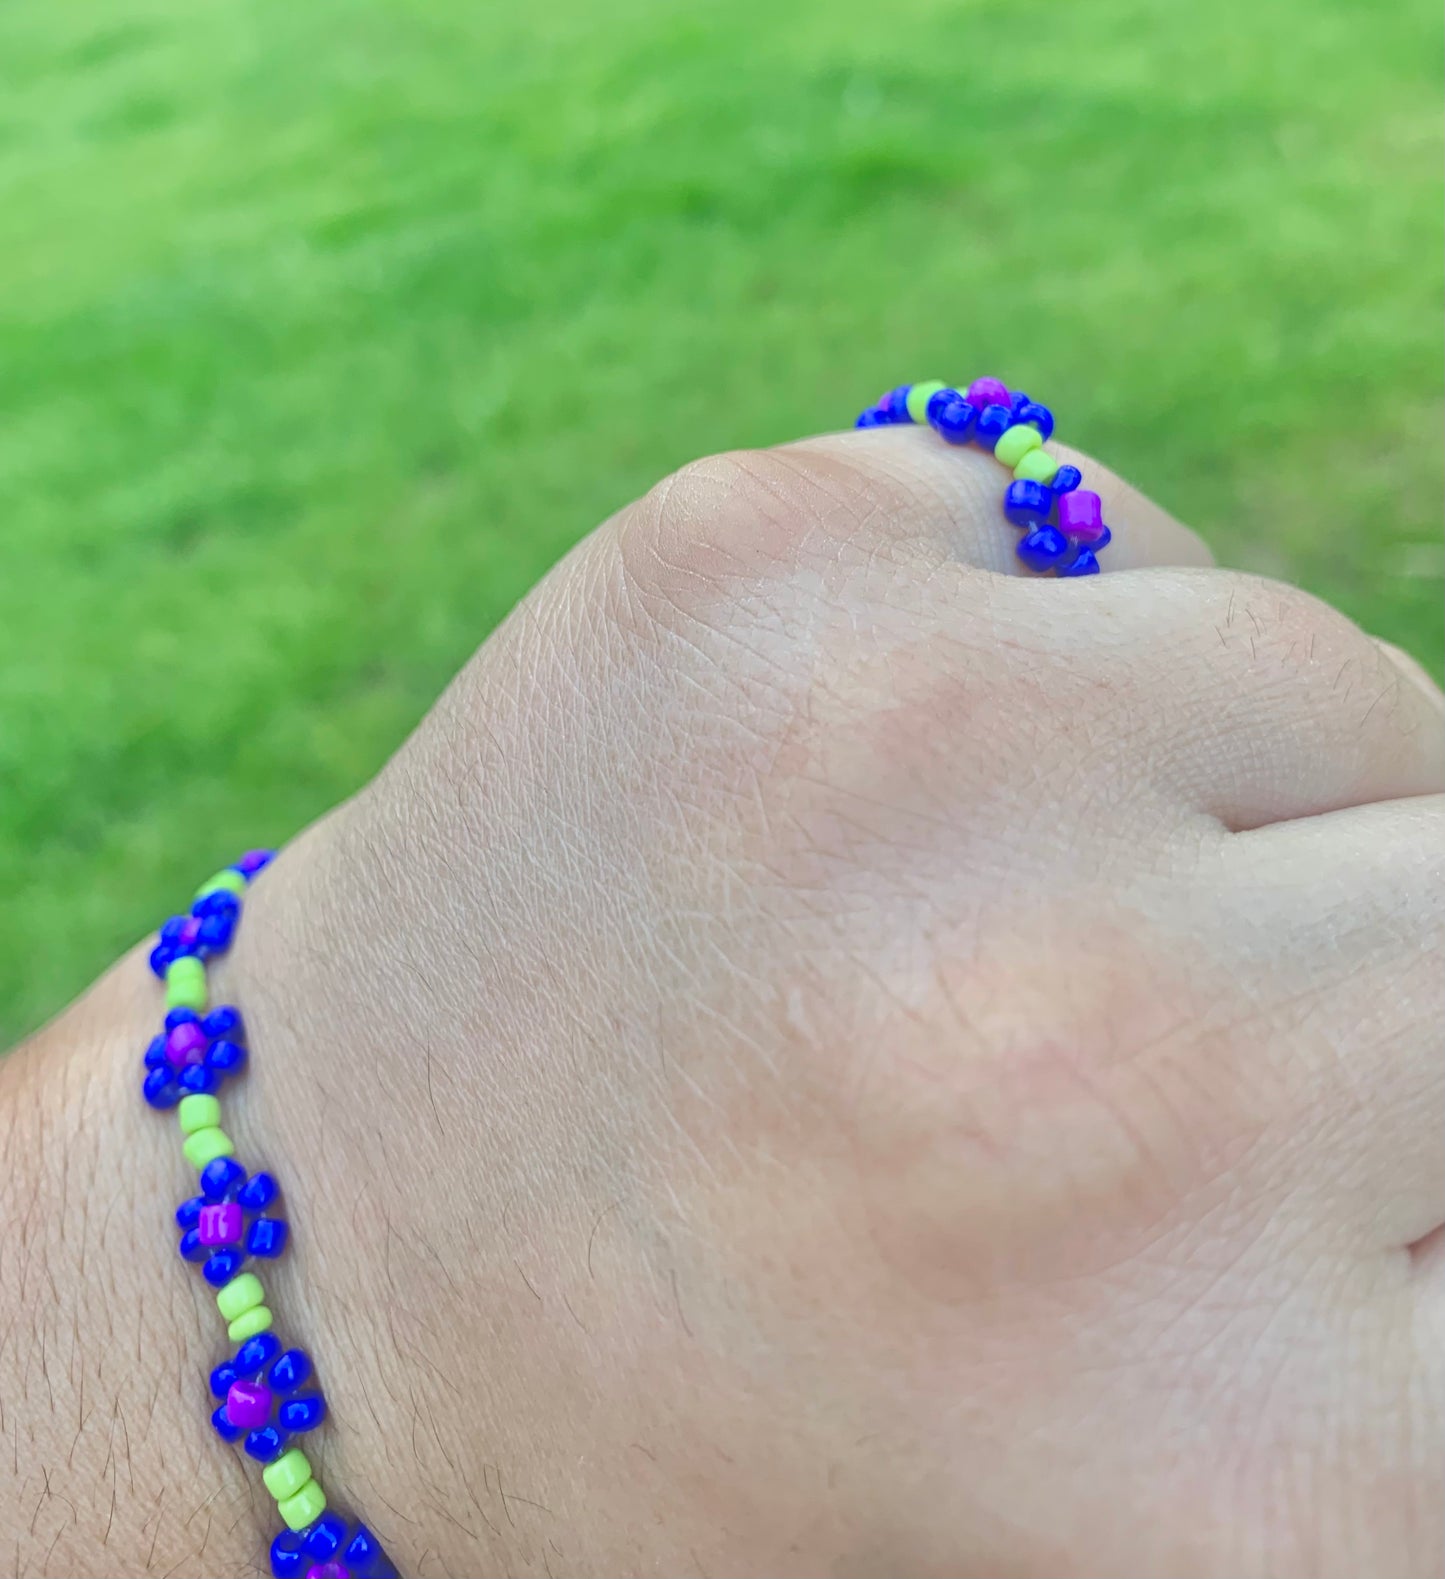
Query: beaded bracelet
[
  {"x": 267, "y": 1395},
  {"x": 1015, "y": 428}
]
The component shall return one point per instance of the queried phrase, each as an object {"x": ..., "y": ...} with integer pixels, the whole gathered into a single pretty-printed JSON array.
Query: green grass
[{"x": 325, "y": 328}]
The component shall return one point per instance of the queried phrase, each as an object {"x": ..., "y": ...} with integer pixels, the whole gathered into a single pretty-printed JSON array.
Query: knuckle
[
  {"x": 745, "y": 519},
  {"x": 1272, "y": 623},
  {"x": 710, "y": 522}
]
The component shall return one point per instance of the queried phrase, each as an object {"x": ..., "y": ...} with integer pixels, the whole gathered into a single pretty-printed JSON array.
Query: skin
[{"x": 821, "y": 1055}]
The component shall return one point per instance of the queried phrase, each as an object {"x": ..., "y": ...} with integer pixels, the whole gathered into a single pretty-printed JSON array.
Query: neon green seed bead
[
  {"x": 206, "y": 1145},
  {"x": 1037, "y": 466},
  {"x": 198, "y": 1113},
  {"x": 232, "y": 882},
  {"x": 919, "y": 396},
  {"x": 287, "y": 1474},
  {"x": 241, "y": 1294},
  {"x": 186, "y": 984},
  {"x": 249, "y": 1324},
  {"x": 304, "y": 1508},
  {"x": 1015, "y": 442}
]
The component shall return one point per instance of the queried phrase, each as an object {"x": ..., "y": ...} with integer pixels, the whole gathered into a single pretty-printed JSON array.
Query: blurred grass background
[{"x": 325, "y": 329}]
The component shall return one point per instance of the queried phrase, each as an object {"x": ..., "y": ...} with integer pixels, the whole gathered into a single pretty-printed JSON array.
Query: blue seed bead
[
  {"x": 170, "y": 933},
  {"x": 220, "y": 1177},
  {"x": 257, "y": 1193},
  {"x": 191, "y": 1247},
  {"x": 1028, "y": 503},
  {"x": 197, "y": 1080},
  {"x": 872, "y": 418},
  {"x": 291, "y": 1371},
  {"x": 255, "y": 1354},
  {"x": 1085, "y": 563},
  {"x": 162, "y": 957},
  {"x": 159, "y": 1089},
  {"x": 222, "y": 1377},
  {"x": 175, "y": 1017},
  {"x": 1066, "y": 479},
  {"x": 265, "y": 1444},
  {"x": 894, "y": 405},
  {"x": 952, "y": 416},
  {"x": 1017, "y": 404},
  {"x": 221, "y": 1266},
  {"x": 220, "y": 902},
  {"x": 993, "y": 422},
  {"x": 1102, "y": 541},
  {"x": 224, "y": 1021},
  {"x": 1036, "y": 416},
  {"x": 188, "y": 1213},
  {"x": 304, "y": 1413},
  {"x": 937, "y": 401},
  {"x": 324, "y": 1538},
  {"x": 362, "y": 1550},
  {"x": 267, "y": 1237},
  {"x": 288, "y": 1559},
  {"x": 155, "y": 1057},
  {"x": 216, "y": 932},
  {"x": 225, "y": 1057},
  {"x": 1043, "y": 548},
  {"x": 222, "y": 1422}
]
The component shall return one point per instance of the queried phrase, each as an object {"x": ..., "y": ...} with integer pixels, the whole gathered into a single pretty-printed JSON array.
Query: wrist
[{"x": 104, "y": 1344}]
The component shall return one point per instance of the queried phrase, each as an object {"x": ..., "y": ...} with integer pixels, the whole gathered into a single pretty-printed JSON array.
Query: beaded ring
[
  {"x": 267, "y": 1394},
  {"x": 1064, "y": 529}
]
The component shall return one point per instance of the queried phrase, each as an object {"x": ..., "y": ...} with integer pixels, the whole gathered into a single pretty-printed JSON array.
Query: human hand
[{"x": 820, "y": 1057}]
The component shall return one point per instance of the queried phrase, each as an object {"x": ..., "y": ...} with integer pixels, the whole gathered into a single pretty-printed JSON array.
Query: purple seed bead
[
  {"x": 220, "y": 1224},
  {"x": 248, "y": 1404},
  {"x": 186, "y": 1044},
  {"x": 1081, "y": 515},
  {"x": 253, "y": 860},
  {"x": 983, "y": 392}
]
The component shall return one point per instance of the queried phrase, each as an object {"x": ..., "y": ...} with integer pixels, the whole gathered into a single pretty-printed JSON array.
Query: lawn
[{"x": 326, "y": 328}]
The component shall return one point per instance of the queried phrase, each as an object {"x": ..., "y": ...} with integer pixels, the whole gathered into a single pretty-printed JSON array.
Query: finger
[
  {"x": 1339, "y": 921},
  {"x": 1414, "y": 671},
  {"x": 1240, "y": 698},
  {"x": 914, "y": 485}
]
